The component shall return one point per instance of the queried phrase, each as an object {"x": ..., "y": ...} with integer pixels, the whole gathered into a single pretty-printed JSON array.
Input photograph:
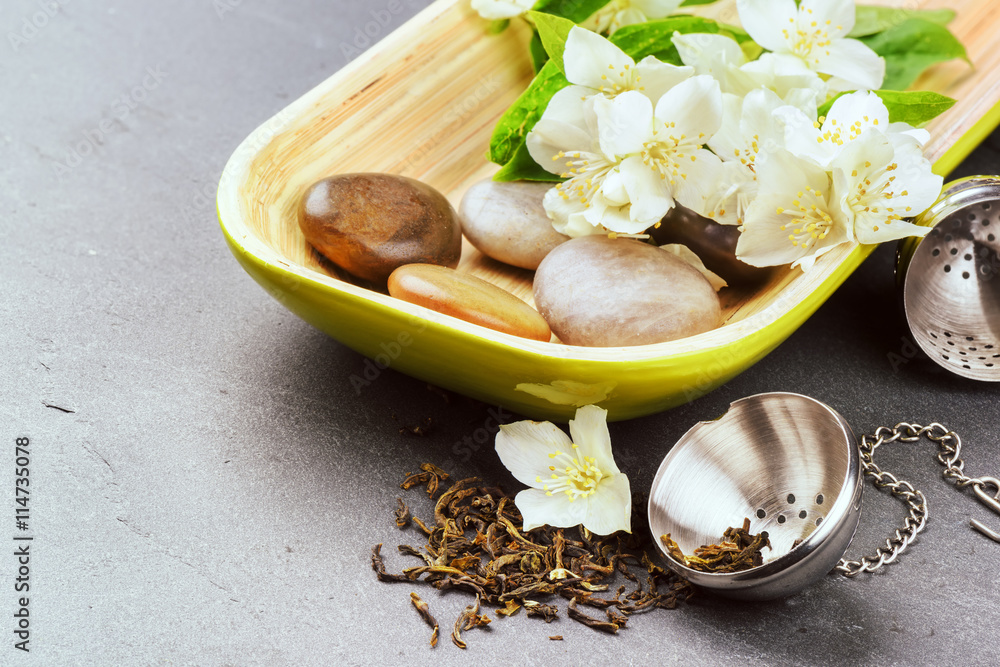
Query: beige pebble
[
  {"x": 506, "y": 221},
  {"x": 605, "y": 292},
  {"x": 468, "y": 298}
]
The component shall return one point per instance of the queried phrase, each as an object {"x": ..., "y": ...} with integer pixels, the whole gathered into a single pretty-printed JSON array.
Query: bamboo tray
[{"x": 422, "y": 103}]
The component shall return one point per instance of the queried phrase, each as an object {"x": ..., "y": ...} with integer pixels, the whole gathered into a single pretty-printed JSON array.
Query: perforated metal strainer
[
  {"x": 951, "y": 279},
  {"x": 788, "y": 463}
]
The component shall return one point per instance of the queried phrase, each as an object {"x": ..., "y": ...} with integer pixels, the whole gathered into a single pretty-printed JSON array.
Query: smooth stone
[
  {"x": 506, "y": 221},
  {"x": 713, "y": 242},
  {"x": 468, "y": 298},
  {"x": 604, "y": 292},
  {"x": 371, "y": 224}
]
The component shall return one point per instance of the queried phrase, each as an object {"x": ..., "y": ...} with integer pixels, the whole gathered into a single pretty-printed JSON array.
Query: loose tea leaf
[
  {"x": 475, "y": 544},
  {"x": 402, "y": 513},
  {"x": 425, "y": 614},
  {"x": 546, "y": 612},
  {"x": 737, "y": 551},
  {"x": 590, "y": 621},
  {"x": 470, "y": 618}
]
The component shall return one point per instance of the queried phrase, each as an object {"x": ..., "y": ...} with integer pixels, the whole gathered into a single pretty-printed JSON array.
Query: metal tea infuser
[
  {"x": 951, "y": 279},
  {"x": 792, "y": 464}
]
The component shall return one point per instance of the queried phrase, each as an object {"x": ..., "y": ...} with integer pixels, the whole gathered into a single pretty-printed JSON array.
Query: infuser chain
[{"x": 949, "y": 456}]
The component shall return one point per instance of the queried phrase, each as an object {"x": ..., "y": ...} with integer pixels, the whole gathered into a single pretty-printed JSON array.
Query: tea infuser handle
[
  {"x": 993, "y": 502},
  {"x": 949, "y": 456}
]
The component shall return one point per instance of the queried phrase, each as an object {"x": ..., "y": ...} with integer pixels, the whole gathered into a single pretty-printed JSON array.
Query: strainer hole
[
  {"x": 991, "y": 238},
  {"x": 969, "y": 338},
  {"x": 972, "y": 216},
  {"x": 988, "y": 347},
  {"x": 802, "y": 514},
  {"x": 996, "y": 356},
  {"x": 819, "y": 499},
  {"x": 986, "y": 206},
  {"x": 989, "y": 365},
  {"x": 965, "y": 274},
  {"x": 951, "y": 342},
  {"x": 933, "y": 335},
  {"x": 968, "y": 257},
  {"x": 962, "y": 352},
  {"x": 791, "y": 499},
  {"x": 954, "y": 251},
  {"x": 819, "y": 520},
  {"x": 761, "y": 513},
  {"x": 966, "y": 367},
  {"x": 986, "y": 222},
  {"x": 781, "y": 519},
  {"x": 947, "y": 268},
  {"x": 935, "y": 252},
  {"x": 947, "y": 334},
  {"x": 972, "y": 349},
  {"x": 949, "y": 238},
  {"x": 946, "y": 357}
]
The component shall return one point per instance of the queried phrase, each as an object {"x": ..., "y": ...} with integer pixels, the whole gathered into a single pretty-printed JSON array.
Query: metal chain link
[{"x": 949, "y": 455}]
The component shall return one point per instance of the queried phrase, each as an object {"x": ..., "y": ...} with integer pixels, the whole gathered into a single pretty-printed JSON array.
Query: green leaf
[
  {"x": 655, "y": 37},
  {"x": 522, "y": 167},
  {"x": 915, "y": 107},
  {"x": 537, "y": 51},
  {"x": 553, "y": 31},
  {"x": 576, "y": 11},
  {"x": 498, "y": 26},
  {"x": 514, "y": 125},
  {"x": 911, "y": 47},
  {"x": 872, "y": 20},
  {"x": 692, "y": 3}
]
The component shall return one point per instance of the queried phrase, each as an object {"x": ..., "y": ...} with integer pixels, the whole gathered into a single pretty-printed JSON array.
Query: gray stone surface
[{"x": 209, "y": 491}]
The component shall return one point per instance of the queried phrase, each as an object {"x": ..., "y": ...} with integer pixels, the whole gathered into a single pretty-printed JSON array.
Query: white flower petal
[
  {"x": 852, "y": 64},
  {"x": 765, "y": 19},
  {"x": 613, "y": 190},
  {"x": 737, "y": 188},
  {"x": 694, "y": 106},
  {"x": 624, "y": 123},
  {"x": 587, "y": 58},
  {"x": 802, "y": 137},
  {"x": 501, "y": 9},
  {"x": 700, "y": 175},
  {"x": 650, "y": 195},
  {"x": 524, "y": 448},
  {"x": 729, "y": 142},
  {"x": 539, "y": 509},
  {"x": 864, "y": 227},
  {"x": 791, "y": 220},
  {"x": 781, "y": 172},
  {"x": 706, "y": 52},
  {"x": 837, "y": 16},
  {"x": 565, "y": 212},
  {"x": 610, "y": 508},
  {"x": 589, "y": 430},
  {"x": 655, "y": 78},
  {"x": 565, "y": 126}
]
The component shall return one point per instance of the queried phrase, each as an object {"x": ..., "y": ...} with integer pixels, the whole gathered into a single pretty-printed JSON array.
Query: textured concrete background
[{"x": 207, "y": 484}]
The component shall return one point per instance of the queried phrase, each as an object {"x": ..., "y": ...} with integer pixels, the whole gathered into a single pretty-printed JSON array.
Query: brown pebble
[
  {"x": 468, "y": 298},
  {"x": 371, "y": 224}
]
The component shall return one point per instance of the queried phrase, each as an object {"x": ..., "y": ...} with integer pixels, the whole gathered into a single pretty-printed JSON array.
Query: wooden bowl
[{"x": 422, "y": 103}]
